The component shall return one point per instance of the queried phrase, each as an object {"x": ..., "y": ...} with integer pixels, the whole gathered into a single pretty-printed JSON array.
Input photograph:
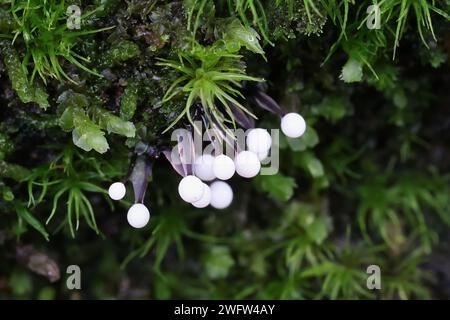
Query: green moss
[
  {"x": 366, "y": 184},
  {"x": 129, "y": 100},
  {"x": 12, "y": 171},
  {"x": 212, "y": 75},
  {"x": 287, "y": 22},
  {"x": 41, "y": 26},
  {"x": 105, "y": 7},
  {"x": 6, "y": 145},
  {"x": 86, "y": 121},
  {"x": 6, "y": 22},
  {"x": 120, "y": 52},
  {"x": 27, "y": 92}
]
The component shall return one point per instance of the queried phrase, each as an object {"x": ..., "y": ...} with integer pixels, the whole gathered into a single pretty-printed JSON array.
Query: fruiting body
[
  {"x": 117, "y": 191},
  {"x": 259, "y": 140},
  {"x": 293, "y": 125},
  {"x": 223, "y": 167},
  {"x": 263, "y": 155},
  {"x": 247, "y": 164},
  {"x": 138, "y": 216},
  {"x": 221, "y": 194},
  {"x": 191, "y": 188},
  {"x": 205, "y": 199},
  {"x": 203, "y": 167}
]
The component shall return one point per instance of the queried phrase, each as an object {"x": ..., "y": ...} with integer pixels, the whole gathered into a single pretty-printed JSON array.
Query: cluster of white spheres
[
  {"x": 207, "y": 168},
  {"x": 293, "y": 125},
  {"x": 138, "y": 215},
  {"x": 192, "y": 190}
]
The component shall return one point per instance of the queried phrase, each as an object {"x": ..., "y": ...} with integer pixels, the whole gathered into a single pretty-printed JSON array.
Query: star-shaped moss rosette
[{"x": 212, "y": 75}]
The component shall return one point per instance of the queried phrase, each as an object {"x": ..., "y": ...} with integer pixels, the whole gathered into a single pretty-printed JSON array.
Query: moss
[
  {"x": 106, "y": 7},
  {"x": 129, "y": 100},
  {"x": 13, "y": 171},
  {"x": 6, "y": 145},
  {"x": 366, "y": 183},
  {"x": 87, "y": 120},
  {"x": 6, "y": 22},
  {"x": 27, "y": 92},
  {"x": 120, "y": 52},
  {"x": 288, "y": 25}
]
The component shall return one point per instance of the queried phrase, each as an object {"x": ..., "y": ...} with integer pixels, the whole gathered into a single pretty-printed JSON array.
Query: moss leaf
[{"x": 31, "y": 220}]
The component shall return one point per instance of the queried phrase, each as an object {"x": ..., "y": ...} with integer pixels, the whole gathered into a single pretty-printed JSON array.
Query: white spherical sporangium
[
  {"x": 138, "y": 215},
  {"x": 223, "y": 167},
  {"x": 205, "y": 200},
  {"x": 190, "y": 189},
  {"x": 117, "y": 191},
  {"x": 293, "y": 125},
  {"x": 247, "y": 164},
  {"x": 263, "y": 155},
  {"x": 203, "y": 167},
  {"x": 221, "y": 194},
  {"x": 258, "y": 140}
]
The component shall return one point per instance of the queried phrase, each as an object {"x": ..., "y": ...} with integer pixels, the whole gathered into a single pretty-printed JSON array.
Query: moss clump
[
  {"x": 129, "y": 100},
  {"x": 27, "y": 92},
  {"x": 366, "y": 184},
  {"x": 120, "y": 52},
  {"x": 289, "y": 22}
]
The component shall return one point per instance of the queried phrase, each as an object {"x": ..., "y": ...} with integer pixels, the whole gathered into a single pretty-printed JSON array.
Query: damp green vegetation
[
  {"x": 367, "y": 184},
  {"x": 42, "y": 27},
  {"x": 213, "y": 73}
]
